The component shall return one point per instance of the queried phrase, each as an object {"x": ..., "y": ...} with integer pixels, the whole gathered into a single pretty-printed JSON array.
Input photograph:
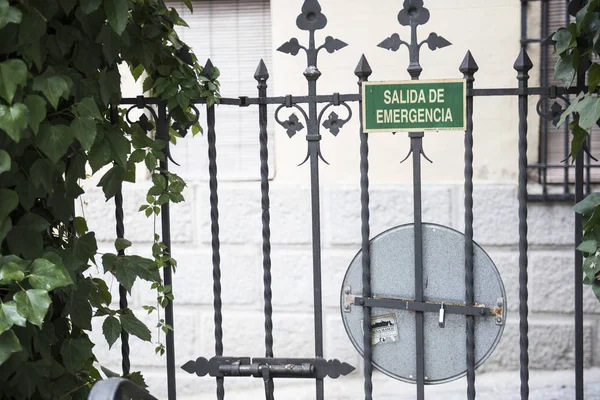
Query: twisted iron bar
[
  {"x": 120, "y": 230},
  {"x": 469, "y": 68},
  {"x": 523, "y": 65},
  {"x": 363, "y": 71}
]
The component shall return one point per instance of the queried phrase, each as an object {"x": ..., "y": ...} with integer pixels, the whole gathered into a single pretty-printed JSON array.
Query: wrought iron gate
[{"x": 312, "y": 109}]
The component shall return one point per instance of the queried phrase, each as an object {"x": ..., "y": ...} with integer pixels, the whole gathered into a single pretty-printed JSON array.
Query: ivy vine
[
  {"x": 578, "y": 47},
  {"x": 59, "y": 77}
]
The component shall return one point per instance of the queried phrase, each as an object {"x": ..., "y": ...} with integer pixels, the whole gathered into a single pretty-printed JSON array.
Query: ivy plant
[
  {"x": 578, "y": 47},
  {"x": 59, "y": 78}
]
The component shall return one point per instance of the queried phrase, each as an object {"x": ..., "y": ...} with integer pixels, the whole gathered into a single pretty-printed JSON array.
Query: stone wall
[{"x": 496, "y": 230}]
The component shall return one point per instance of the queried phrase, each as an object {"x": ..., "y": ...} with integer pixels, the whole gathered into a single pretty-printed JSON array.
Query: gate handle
[{"x": 442, "y": 320}]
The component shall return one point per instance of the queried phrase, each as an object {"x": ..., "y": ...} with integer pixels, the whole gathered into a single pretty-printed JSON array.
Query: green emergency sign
[{"x": 413, "y": 106}]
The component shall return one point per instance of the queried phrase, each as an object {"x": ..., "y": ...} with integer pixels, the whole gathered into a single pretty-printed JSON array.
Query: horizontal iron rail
[
  {"x": 243, "y": 101},
  {"x": 409, "y": 305}
]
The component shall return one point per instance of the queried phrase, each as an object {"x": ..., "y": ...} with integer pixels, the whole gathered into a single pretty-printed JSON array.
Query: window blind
[
  {"x": 559, "y": 142},
  {"x": 235, "y": 35}
]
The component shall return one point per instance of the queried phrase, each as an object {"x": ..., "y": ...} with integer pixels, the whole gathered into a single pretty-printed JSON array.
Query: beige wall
[{"x": 489, "y": 28}]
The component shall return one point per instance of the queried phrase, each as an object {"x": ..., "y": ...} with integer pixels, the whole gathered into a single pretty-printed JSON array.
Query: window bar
[
  {"x": 125, "y": 362},
  {"x": 214, "y": 228},
  {"x": 567, "y": 134},
  {"x": 163, "y": 133},
  {"x": 261, "y": 76},
  {"x": 579, "y": 167},
  {"x": 588, "y": 164},
  {"x": 469, "y": 68},
  {"x": 523, "y": 65},
  {"x": 543, "y": 171},
  {"x": 363, "y": 71}
]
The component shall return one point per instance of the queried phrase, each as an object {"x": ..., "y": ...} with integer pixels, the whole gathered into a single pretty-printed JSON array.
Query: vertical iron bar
[
  {"x": 588, "y": 164},
  {"x": 566, "y": 132},
  {"x": 544, "y": 83},
  {"x": 163, "y": 133},
  {"x": 214, "y": 228},
  {"x": 313, "y": 137},
  {"x": 468, "y": 68},
  {"x": 417, "y": 147},
  {"x": 524, "y": 4},
  {"x": 125, "y": 362},
  {"x": 261, "y": 76},
  {"x": 523, "y": 65},
  {"x": 579, "y": 168},
  {"x": 363, "y": 71}
]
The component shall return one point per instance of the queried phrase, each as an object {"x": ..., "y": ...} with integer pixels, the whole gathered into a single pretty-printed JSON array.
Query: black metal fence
[{"x": 312, "y": 109}]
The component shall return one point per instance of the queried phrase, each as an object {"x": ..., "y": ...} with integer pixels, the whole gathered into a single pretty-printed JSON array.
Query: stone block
[
  {"x": 551, "y": 223},
  {"x": 507, "y": 263},
  {"x": 495, "y": 215},
  {"x": 241, "y": 277},
  {"x": 552, "y": 284},
  {"x": 291, "y": 218},
  {"x": 100, "y": 215},
  {"x": 389, "y": 207},
  {"x": 551, "y": 346}
]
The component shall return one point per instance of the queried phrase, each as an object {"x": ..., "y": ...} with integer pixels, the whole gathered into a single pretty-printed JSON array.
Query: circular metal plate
[{"x": 393, "y": 276}]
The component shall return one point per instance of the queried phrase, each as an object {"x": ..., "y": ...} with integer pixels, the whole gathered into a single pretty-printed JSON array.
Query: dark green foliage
[
  {"x": 577, "y": 45},
  {"x": 59, "y": 75}
]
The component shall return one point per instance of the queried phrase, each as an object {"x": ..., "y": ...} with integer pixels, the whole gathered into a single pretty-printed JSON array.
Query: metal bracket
[
  {"x": 498, "y": 311},
  {"x": 272, "y": 367},
  {"x": 442, "y": 320},
  {"x": 348, "y": 299}
]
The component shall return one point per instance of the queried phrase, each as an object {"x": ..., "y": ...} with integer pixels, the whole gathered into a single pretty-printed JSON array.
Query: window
[
  {"x": 235, "y": 35},
  {"x": 554, "y": 146}
]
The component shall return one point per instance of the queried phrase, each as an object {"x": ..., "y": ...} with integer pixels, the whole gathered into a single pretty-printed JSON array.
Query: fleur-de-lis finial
[
  {"x": 311, "y": 18},
  {"x": 413, "y": 13}
]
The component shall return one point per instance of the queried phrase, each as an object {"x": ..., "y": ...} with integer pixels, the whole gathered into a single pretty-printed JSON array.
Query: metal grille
[{"x": 308, "y": 115}]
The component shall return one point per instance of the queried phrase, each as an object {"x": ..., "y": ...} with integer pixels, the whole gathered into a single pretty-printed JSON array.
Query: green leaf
[
  {"x": 9, "y": 200},
  {"x": 5, "y": 227},
  {"x": 89, "y": 6},
  {"x": 122, "y": 244},
  {"x": 137, "y": 378},
  {"x": 37, "y": 111},
  {"x": 117, "y": 12},
  {"x": 33, "y": 305},
  {"x": 589, "y": 112},
  {"x": 593, "y": 77},
  {"x": 4, "y": 161},
  {"x": 9, "y": 15},
  {"x": 52, "y": 86},
  {"x": 9, "y": 315},
  {"x": 564, "y": 40},
  {"x": 79, "y": 307},
  {"x": 14, "y": 120},
  {"x": 148, "y": 84},
  {"x": 33, "y": 222},
  {"x": 74, "y": 353},
  {"x": 85, "y": 247},
  {"x": 111, "y": 328},
  {"x": 100, "y": 155},
  {"x": 48, "y": 276},
  {"x": 112, "y": 182},
  {"x": 80, "y": 226},
  {"x": 565, "y": 69},
  {"x": 11, "y": 272},
  {"x": 159, "y": 181},
  {"x": 137, "y": 72},
  {"x": 9, "y": 343},
  {"x": 135, "y": 327},
  {"x": 143, "y": 268},
  {"x": 579, "y": 137},
  {"x": 13, "y": 73},
  {"x": 110, "y": 84},
  {"x": 588, "y": 246},
  {"x": 188, "y": 3},
  {"x": 125, "y": 274},
  {"x": 100, "y": 295},
  {"x": 84, "y": 129},
  {"x": 54, "y": 140},
  {"x": 67, "y": 5},
  {"x": 25, "y": 242},
  {"x": 120, "y": 146},
  {"x": 588, "y": 204},
  {"x": 88, "y": 108},
  {"x": 41, "y": 174}
]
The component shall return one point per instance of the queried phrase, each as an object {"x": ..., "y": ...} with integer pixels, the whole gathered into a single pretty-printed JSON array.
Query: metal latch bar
[{"x": 434, "y": 307}]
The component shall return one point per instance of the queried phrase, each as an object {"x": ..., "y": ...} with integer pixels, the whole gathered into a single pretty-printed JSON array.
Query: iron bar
[
  {"x": 214, "y": 228},
  {"x": 579, "y": 176},
  {"x": 468, "y": 68},
  {"x": 163, "y": 133},
  {"x": 363, "y": 71},
  {"x": 120, "y": 227},
  {"x": 421, "y": 307},
  {"x": 523, "y": 65},
  {"x": 261, "y": 76},
  {"x": 544, "y": 83}
]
